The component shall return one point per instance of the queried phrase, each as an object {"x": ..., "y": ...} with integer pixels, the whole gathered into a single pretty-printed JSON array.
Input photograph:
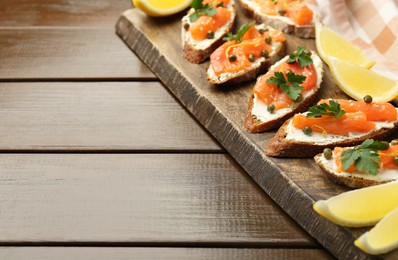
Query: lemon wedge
[
  {"x": 329, "y": 43},
  {"x": 161, "y": 7},
  {"x": 361, "y": 207},
  {"x": 383, "y": 237},
  {"x": 358, "y": 82}
]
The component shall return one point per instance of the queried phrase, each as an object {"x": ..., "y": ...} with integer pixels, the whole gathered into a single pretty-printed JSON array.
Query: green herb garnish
[
  {"x": 208, "y": 10},
  {"x": 290, "y": 86},
  {"x": 301, "y": 56},
  {"x": 239, "y": 35},
  {"x": 331, "y": 109},
  {"x": 365, "y": 157}
]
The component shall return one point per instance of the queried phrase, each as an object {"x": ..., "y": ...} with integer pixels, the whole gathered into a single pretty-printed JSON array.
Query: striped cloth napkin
[{"x": 372, "y": 25}]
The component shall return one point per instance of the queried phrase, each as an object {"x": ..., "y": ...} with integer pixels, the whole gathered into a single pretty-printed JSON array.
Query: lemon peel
[
  {"x": 357, "y": 82},
  {"x": 383, "y": 237},
  {"x": 159, "y": 8},
  {"x": 330, "y": 43},
  {"x": 360, "y": 208}
]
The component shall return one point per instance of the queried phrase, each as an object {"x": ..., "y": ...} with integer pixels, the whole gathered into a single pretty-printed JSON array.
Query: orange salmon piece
[
  {"x": 374, "y": 111},
  {"x": 252, "y": 43},
  {"x": 215, "y": 2},
  {"x": 387, "y": 157},
  {"x": 349, "y": 122},
  {"x": 338, "y": 161},
  {"x": 299, "y": 13},
  {"x": 205, "y": 23},
  {"x": 271, "y": 94}
]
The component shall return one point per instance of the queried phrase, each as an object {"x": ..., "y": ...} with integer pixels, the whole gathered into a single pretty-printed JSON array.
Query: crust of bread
[
  {"x": 302, "y": 31},
  {"x": 350, "y": 181},
  {"x": 249, "y": 73},
  {"x": 279, "y": 146},
  {"x": 196, "y": 55}
]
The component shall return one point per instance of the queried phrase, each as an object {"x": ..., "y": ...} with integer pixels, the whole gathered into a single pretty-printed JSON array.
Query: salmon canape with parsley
[
  {"x": 291, "y": 16},
  {"x": 370, "y": 163},
  {"x": 204, "y": 26},
  {"x": 289, "y": 87},
  {"x": 333, "y": 122},
  {"x": 246, "y": 54}
]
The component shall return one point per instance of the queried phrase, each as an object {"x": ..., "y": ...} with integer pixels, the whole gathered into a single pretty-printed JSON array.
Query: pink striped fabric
[{"x": 372, "y": 25}]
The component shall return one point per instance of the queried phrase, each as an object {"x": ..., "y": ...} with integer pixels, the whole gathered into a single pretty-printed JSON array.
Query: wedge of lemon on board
[
  {"x": 159, "y": 8},
  {"x": 329, "y": 43},
  {"x": 383, "y": 237},
  {"x": 358, "y": 82},
  {"x": 361, "y": 207}
]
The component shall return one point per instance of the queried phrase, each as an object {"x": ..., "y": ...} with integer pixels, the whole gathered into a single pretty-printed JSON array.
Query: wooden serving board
[{"x": 295, "y": 184}]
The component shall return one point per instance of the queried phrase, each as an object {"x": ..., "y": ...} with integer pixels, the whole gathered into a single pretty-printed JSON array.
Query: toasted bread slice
[
  {"x": 354, "y": 179},
  {"x": 259, "y": 119},
  {"x": 253, "y": 9},
  {"x": 199, "y": 51},
  {"x": 292, "y": 142},
  {"x": 257, "y": 67}
]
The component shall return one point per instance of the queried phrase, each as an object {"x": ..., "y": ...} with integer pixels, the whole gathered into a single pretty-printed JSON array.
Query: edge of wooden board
[{"x": 276, "y": 183}]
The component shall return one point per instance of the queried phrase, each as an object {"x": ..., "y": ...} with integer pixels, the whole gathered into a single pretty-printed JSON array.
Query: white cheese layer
[
  {"x": 206, "y": 43},
  {"x": 296, "y": 134},
  {"x": 259, "y": 109},
  {"x": 382, "y": 176}
]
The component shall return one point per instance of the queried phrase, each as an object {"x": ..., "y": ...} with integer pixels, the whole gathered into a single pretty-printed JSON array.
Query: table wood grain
[{"x": 99, "y": 160}]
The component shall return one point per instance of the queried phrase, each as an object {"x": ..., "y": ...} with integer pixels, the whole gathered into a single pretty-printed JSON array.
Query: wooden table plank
[
  {"x": 96, "y": 116},
  {"x": 120, "y": 253},
  {"x": 96, "y": 13},
  {"x": 139, "y": 199},
  {"x": 67, "y": 54}
]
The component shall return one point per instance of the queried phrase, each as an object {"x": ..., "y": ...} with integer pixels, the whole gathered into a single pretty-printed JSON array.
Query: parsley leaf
[
  {"x": 365, "y": 157},
  {"x": 239, "y": 35},
  {"x": 301, "y": 56},
  {"x": 331, "y": 109},
  {"x": 290, "y": 86},
  {"x": 208, "y": 10}
]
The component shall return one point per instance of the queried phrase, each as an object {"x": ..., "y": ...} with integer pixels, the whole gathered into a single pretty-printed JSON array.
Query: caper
[
  {"x": 327, "y": 153},
  {"x": 307, "y": 130},
  {"x": 232, "y": 57},
  {"x": 368, "y": 99},
  {"x": 210, "y": 35},
  {"x": 384, "y": 145},
  {"x": 265, "y": 53},
  {"x": 263, "y": 30},
  {"x": 395, "y": 159},
  {"x": 394, "y": 142},
  {"x": 282, "y": 12},
  {"x": 268, "y": 39},
  {"x": 251, "y": 57},
  {"x": 186, "y": 26},
  {"x": 271, "y": 108}
]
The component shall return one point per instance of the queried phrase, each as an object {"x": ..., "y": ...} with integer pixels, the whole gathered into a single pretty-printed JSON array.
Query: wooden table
[{"x": 98, "y": 160}]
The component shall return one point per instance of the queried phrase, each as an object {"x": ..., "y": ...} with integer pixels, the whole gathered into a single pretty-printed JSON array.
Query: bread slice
[
  {"x": 199, "y": 51},
  {"x": 259, "y": 119},
  {"x": 292, "y": 142},
  {"x": 354, "y": 179},
  {"x": 253, "y": 9},
  {"x": 259, "y": 66}
]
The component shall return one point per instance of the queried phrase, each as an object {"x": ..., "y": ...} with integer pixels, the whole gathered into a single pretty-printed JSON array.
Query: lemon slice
[
  {"x": 161, "y": 7},
  {"x": 360, "y": 208},
  {"x": 358, "y": 82},
  {"x": 329, "y": 43},
  {"x": 383, "y": 237}
]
